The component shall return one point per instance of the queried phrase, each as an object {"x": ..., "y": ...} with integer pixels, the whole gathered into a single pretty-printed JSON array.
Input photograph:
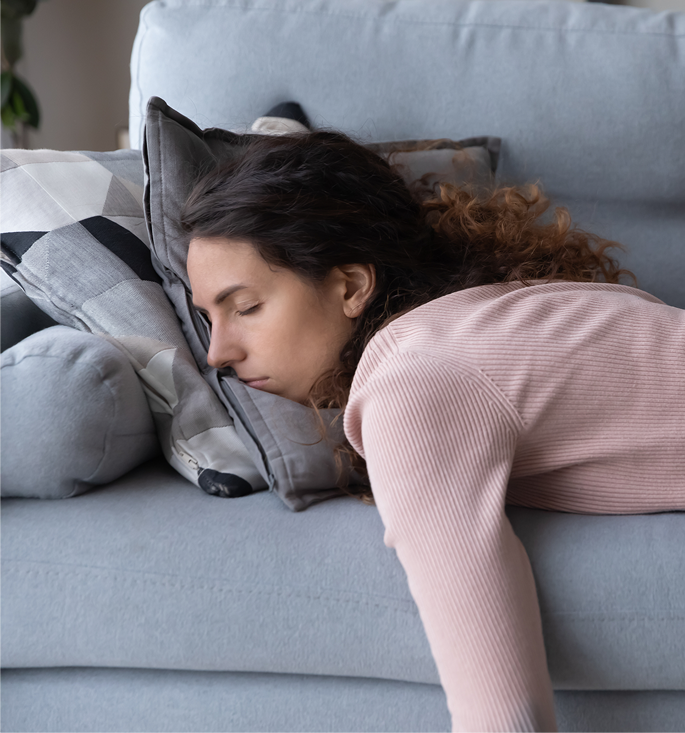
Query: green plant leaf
[
  {"x": 17, "y": 104},
  {"x": 8, "y": 118},
  {"x": 28, "y": 102},
  {"x": 5, "y": 86},
  {"x": 17, "y": 8}
]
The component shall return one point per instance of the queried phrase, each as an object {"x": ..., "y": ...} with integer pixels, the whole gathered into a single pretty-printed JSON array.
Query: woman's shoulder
[
  {"x": 502, "y": 306},
  {"x": 483, "y": 296},
  {"x": 428, "y": 329},
  {"x": 475, "y": 324}
]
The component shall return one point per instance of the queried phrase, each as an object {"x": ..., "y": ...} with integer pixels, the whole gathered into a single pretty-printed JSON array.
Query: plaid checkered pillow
[{"x": 74, "y": 238}]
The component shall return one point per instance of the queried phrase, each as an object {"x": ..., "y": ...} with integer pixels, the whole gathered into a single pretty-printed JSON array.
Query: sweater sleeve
[{"x": 439, "y": 448}]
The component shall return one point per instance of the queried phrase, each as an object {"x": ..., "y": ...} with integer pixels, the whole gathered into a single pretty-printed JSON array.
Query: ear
[{"x": 359, "y": 283}]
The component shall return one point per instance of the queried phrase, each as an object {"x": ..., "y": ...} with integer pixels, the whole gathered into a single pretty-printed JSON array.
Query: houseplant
[{"x": 19, "y": 105}]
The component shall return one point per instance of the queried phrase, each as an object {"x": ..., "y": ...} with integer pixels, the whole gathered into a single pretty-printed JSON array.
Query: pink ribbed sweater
[{"x": 562, "y": 396}]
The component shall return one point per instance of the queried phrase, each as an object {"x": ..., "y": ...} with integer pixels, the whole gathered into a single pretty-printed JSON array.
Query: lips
[{"x": 257, "y": 383}]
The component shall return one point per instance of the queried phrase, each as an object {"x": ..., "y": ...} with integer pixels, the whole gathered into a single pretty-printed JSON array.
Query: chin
[
  {"x": 299, "y": 400},
  {"x": 295, "y": 399}
]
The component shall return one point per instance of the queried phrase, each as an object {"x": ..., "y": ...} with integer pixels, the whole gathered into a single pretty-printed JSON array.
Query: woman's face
[{"x": 266, "y": 323}]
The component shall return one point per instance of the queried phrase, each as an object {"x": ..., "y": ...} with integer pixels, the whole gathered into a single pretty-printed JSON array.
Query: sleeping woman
[{"x": 482, "y": 353}]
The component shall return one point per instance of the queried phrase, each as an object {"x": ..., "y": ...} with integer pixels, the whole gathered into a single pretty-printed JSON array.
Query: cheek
[
  {"x": 295, "y": 337},
  {"x": 321, "y": 338}
]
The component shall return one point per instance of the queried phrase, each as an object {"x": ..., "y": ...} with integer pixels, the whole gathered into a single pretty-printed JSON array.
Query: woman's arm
[{"x": 439, "y": 450}]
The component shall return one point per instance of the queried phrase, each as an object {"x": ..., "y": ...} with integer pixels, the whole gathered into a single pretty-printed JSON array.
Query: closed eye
[{"x": 249, "y": 310}]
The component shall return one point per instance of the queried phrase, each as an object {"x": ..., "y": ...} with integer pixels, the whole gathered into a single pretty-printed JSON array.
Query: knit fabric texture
[{"x": 562, "y": 396}]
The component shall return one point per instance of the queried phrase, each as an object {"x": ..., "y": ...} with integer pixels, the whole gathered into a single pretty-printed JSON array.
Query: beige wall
[{"x": 76, "y": 58}]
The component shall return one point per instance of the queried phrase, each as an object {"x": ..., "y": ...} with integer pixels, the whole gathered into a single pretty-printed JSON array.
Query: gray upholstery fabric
[
  {"x": 175, "y": 579},
  {"x": 74, "y": 415},
  {"x": 160, "y": 700},
  {"x": 274, "y": 430},
  {"x": 72, "y": 699}
]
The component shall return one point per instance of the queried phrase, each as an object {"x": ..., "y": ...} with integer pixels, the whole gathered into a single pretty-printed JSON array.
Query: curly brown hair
[{"x": 312, "y": 201}]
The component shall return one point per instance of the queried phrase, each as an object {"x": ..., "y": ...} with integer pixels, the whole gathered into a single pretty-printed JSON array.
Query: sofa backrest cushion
[{"x": 588, "y": 98}]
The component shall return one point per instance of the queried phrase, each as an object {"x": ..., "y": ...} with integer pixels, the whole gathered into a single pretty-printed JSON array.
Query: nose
[{"x": 223, "y": 352}]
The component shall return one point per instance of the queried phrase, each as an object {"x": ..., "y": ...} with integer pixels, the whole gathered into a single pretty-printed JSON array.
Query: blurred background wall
[{"x": 76, "y": 58}]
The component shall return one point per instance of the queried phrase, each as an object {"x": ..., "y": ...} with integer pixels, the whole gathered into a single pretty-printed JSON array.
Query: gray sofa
[{"x": 148, "y": 605}]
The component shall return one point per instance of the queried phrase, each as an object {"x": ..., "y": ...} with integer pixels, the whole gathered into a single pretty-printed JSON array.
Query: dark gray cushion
[
  {"x": 74, "y": 415},
  {"x": 273, "y": 429},
  {"x": 20, "y": 315}
]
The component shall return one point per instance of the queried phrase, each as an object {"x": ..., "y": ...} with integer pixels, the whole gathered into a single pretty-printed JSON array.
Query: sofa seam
[
  {"x": 420, "y": 21},
  {"x": 582, "y": 616},
  {"x": 195, "y": 585}
]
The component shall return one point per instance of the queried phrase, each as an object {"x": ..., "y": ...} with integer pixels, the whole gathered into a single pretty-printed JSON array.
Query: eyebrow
[{"x": 225, "y": 293}]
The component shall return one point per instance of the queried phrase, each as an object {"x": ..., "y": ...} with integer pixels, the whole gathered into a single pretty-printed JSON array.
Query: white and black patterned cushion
[{"x": 74, "y": 238}]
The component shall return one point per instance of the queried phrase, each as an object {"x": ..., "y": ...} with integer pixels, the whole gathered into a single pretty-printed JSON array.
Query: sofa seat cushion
[
  {"x": 151, "y": 573},
  {"x": 77, "y": 699}
]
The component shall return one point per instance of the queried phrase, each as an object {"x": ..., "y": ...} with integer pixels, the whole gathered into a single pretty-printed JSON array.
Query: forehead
[
  {"x": 215, "y": 265},
  {"x": 222, "y": 262},
  {"x": 215, "y": 252}
]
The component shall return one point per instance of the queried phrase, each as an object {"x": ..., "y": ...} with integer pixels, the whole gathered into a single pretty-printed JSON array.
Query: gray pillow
[
  {"x": 472, "y": 160},
  {"x": 279, "y": 434},
  {"x": 74, "y": 238},
  {"x": 74, "y": 415}
]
